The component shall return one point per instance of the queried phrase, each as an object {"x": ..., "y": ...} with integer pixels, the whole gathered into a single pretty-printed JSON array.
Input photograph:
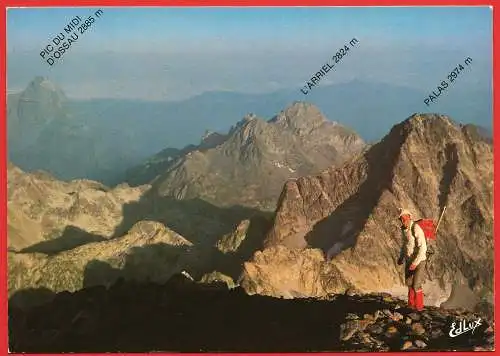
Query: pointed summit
[
  {"x": 300, "y": 116},
  {"x": 42, "y": 101},
  {"x": 35, "y": 120},
  {"x": 42, "y": 91},
  {"x": 250, "y": 117}
]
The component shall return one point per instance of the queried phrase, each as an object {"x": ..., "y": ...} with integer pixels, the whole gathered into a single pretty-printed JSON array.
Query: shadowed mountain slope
[{"x": 346, "y": 218}]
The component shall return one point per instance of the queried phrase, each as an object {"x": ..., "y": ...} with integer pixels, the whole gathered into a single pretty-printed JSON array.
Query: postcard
[{"x": 250, "y": 179}]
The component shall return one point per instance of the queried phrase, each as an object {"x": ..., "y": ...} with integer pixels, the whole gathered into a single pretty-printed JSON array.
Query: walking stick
[{"x": 440, "y": 218}]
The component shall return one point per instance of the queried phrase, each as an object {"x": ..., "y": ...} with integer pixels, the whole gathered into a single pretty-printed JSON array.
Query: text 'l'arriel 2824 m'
[
  {"x": 444, "y": 84},
  {"x": 316, "y": 78},
  {"x": 63, "y": 41}
]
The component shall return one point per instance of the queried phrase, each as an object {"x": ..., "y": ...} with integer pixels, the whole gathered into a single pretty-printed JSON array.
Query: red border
[
  {"x": 132, "y": 3},
  {"x": 3, "y": 195},
  {"x": 102, "y": 3}
]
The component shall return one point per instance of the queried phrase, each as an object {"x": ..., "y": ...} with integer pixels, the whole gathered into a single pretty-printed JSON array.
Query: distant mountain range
[{"x": 101, "y": 139}]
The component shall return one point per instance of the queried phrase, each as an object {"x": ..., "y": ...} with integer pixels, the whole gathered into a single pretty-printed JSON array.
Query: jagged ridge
[
  {"x": 249, "y": 165},
  {"x": 350, "y": 212}
]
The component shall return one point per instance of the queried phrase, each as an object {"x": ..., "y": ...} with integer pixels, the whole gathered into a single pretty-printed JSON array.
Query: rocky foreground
[{"x": 188, "y": 317}]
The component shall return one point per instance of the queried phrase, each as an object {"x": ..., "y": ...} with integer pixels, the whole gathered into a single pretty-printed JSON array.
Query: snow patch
[{"x": 281, "y": 165}]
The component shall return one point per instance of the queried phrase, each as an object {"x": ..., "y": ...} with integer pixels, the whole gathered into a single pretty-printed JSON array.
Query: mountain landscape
[
  {"x": 48, "y": 215},
  {"x": 296, "y": 214},
  {"x": 344, "y": 220},
  {"x": 249, "y": 165},
  {"x": 206, "y": 179},
  {"x": 97, "y": 133},
  {"x": 41, "y": 122},
  {"x": 60, "y": 232}
]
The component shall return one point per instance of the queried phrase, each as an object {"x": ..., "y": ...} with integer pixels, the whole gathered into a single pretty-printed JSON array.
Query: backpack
[{"x": 429, "y": 228}]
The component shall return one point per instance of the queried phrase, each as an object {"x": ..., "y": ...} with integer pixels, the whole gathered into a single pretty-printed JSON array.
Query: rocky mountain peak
[
  {"x": 249, "y": 117},
  {"x": 249, "y": 130},
  {"x": 42, "y": 90},
  {"x": 250, "y": 164},
  {"x": 300, "y": 116},
  {"x": 432, "y": 123},
  {"x": 349, "y": 212},
  {"x": 207, "y": 134},
  {"x": 211, "y": 139},
  {"x": 44, "y": 82}
]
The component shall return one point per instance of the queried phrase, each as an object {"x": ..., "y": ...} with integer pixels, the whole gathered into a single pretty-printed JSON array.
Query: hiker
[{"x": 413, "y": 253}]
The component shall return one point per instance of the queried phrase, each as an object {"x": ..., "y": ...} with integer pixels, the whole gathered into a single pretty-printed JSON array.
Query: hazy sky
[{"x": 174, "y": 53}]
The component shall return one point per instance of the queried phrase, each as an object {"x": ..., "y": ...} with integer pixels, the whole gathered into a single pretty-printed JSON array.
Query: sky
[{"x": 176, "y": 53}]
